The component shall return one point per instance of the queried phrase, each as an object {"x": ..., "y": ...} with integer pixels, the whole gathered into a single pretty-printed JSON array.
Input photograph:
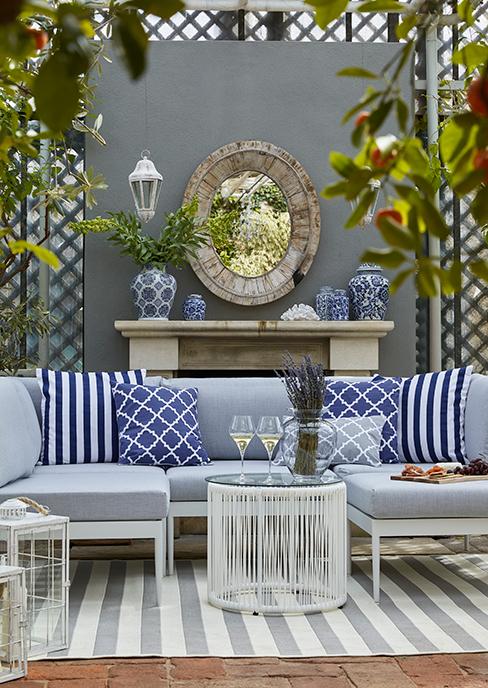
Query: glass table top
[{"x": 277, "y": 480}]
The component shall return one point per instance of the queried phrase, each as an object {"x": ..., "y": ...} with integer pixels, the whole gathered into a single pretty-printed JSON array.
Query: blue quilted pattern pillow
[
  {"x": 158, "y": 426},
  {"x": 377, "y": 397}
]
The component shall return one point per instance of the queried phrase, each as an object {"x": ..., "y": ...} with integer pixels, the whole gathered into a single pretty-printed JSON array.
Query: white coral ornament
[{"x": 300, "y": 311}]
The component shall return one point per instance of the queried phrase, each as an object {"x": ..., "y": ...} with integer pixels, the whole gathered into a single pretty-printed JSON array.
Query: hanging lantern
[
  {"x": 39, "y": 544},
  {"x": 145, "y": 183},
  {"x": 13, "y": 656}
]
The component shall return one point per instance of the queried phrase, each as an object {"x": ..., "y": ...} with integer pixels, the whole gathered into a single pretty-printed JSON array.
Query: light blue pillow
[{"x": 158, "y": 426}]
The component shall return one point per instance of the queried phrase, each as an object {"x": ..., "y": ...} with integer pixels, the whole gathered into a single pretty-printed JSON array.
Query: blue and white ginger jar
[
  {"x": 369, "y": 293},
  {"x": 339, "y": 305},
  {"x": 323, "y": 302},
  {"x": 153, "y": 291},
  {"x": 194, "y": 307}
]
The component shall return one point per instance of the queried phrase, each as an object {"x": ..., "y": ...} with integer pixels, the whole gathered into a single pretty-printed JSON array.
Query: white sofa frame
[
  {"x": 409, "y": 527},
  {"x": 128, "y": 530},
  {"x": 177, "y": 509}
]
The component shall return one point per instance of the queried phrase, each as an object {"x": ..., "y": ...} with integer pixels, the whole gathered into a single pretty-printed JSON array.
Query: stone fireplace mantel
[{"x": 169, "y": 347}]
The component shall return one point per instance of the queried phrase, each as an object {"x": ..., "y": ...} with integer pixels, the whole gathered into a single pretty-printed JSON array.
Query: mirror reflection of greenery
[{"x": 250, "y": 253}]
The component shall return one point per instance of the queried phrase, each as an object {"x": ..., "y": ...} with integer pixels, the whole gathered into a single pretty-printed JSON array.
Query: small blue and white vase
[
  {"x": 369, "y": 293},
  {"x": 194, "y": 307},
  {"x": 323, "y": 302},
  {"x": 153, "y": 291},
  {"x": 339, "y": 305}
]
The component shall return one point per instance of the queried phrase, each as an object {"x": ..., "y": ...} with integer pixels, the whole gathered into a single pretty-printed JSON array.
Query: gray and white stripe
[{"x": 429, "y": 604}]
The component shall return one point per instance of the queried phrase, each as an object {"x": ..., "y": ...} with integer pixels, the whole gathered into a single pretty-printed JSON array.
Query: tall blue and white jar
[
  {"x": 339, "y": 305},
  {"x": 194, "y": 307},
  {"x": 323, "y": 302},
  {"x": 369, "y": 293},
  {"x": 153, "y": 291}
]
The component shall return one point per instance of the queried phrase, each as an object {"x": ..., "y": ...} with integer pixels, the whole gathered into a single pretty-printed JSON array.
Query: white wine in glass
[
  {"x": 242, "y": 431},
  {"x": 269, "y": 432}
]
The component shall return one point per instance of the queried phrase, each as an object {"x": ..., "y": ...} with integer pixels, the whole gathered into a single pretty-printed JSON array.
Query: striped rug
[{"x": 428, "y": 604}]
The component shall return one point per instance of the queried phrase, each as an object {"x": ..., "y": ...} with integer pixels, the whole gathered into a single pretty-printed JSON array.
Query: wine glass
[
  {"x": 242, "y": 431},
  {"x": 269, "y": 432}
]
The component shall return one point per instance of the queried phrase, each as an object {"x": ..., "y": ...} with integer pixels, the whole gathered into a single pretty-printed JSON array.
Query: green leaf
[
  {"x": 368, "y": 97},
  {"x": 381, "y": 6},
  {"x": 432, "y": 217},
  {"x": 364, "y": 202},
  {"x": 479, "y": 206},
  {"x": 403, "y": 29},
  {"x": 480, "y": 269},
  {"x": 465, "y": 12},
  {"x": 468, "y": 182},
  {"x": 328, "y": 10},
  {"x": 164, "y": 9},
  {"x": 386, "y": 257},
  {"x": 131, "y": 41},
  {"x": 454, "y": 135},
  {"x": 403, "y": 114},
  {"x": 357, "y": 72},
  {"x": 379, "y": 115},
  {"x": 471, "y": 55},
  {"x": 56, "y": 93},
  {"x": 451, "y": 279},
  {"x": 342, "y": 164},
  {"x": 427, "y": 282},
  {"x": 395, "y": 235},
  {"x": 44, "y": 254},
  {"x": 397, "y": 282},
  {"x": 337, "y": 189}
]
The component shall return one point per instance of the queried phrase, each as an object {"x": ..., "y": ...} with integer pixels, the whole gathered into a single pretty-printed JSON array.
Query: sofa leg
[
  {"x": 349, "y": 549},
  {"x": 376, "y": 556},
  {"x": 171, "y": 545},
  {"x": 467, "y": 543},
  {"x": 160, "y": 561}
]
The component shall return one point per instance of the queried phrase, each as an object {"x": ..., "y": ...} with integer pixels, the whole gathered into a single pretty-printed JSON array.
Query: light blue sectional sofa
[{"x": 110, "y": 501}]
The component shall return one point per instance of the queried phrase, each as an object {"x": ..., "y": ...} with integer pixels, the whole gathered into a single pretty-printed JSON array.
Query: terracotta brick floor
[{"x": 425, "y": 671}]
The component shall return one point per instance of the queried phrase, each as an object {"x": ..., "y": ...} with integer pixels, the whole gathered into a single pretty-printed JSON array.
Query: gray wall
[{"x": 201, "y": 95}]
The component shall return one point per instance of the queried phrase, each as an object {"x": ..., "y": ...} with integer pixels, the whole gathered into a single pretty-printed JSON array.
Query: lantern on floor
[
  {"x": 38, "y": 542},
  {"x": 13, "y": 654},
  {"x": 145, "y": 183}
]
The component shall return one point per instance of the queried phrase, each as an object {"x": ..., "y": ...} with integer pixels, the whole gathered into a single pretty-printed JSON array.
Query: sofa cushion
[
  {"x": 347, "y": 469},
  {"x": 188, "y": 483},
  {"x": 475, "y": 419},
  {"x": 78, "y": 415},
  {"x": 375, "y": 494},
  {"x": 221, "y": 398},
  {"x": 366, "y": 398},
  {"x": 431, "y": 417},
  {"x": 20, "y": 434},
  {"x": 158, "y": 426},
  {"x": 96, "y": 492}
]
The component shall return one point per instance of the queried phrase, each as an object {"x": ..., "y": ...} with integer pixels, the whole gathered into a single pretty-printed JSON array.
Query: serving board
[{"x": 440, "y": 479}]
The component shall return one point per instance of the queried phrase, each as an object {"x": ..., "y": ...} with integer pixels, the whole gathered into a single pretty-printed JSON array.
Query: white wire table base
[{"x": 277, "y": 550}]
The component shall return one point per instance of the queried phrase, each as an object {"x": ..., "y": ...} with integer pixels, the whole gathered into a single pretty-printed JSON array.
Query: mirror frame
[{"x": 303, "y": 206}]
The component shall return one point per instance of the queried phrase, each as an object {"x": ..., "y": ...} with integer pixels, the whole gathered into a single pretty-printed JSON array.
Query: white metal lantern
[
  {"x": 145, "y": 183},
  {"x": 39, "y": 544},
  {"x": 13, "y": 653}
]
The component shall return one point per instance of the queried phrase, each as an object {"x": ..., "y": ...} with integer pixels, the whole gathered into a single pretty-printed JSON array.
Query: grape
[{"x": 475, "y": 467}]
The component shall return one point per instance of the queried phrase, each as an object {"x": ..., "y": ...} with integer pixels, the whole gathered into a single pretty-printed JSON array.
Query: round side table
[{"x": 276, "y": 548}]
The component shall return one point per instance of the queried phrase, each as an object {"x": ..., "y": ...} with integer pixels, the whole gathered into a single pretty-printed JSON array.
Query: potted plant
[{"x": 153, "y": 289}]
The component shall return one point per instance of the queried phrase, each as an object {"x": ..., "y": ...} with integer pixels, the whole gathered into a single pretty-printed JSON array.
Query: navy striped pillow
[
  {"x": 79, "y": 424},
  {"x": 431, "y": 418}
]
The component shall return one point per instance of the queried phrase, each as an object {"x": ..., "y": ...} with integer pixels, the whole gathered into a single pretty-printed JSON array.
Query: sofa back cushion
[
  {"x": 476, "y": 418},
  {"x": 20, "y": 434},
  {"x": 221, "y": 398}
]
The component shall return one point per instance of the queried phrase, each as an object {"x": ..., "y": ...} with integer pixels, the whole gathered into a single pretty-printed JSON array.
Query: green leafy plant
[
  {"x": 17, "y": 321},
  {"x": 410, "y": 176},
  {"x": 183, "y": 234}
]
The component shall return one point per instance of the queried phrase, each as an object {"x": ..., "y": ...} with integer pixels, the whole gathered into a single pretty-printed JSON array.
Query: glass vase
[{"x": 308, "y": 445}]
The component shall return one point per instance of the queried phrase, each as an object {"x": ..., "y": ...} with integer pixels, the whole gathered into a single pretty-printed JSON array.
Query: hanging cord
[{"x": 44, "y": 510}]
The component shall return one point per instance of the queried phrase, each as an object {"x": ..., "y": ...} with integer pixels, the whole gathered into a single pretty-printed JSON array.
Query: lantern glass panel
[
  {"x": 146, "y": 193},
  {"x": 42, "y": 552},
  {"x": 12, "y": 621}
]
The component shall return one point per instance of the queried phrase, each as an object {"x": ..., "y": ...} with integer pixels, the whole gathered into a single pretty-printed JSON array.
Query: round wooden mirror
[{"x": 264, "y": 222}]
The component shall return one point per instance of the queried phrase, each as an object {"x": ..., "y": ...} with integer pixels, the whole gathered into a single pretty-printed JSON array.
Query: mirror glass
[{"x": 249, "y": 223}]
